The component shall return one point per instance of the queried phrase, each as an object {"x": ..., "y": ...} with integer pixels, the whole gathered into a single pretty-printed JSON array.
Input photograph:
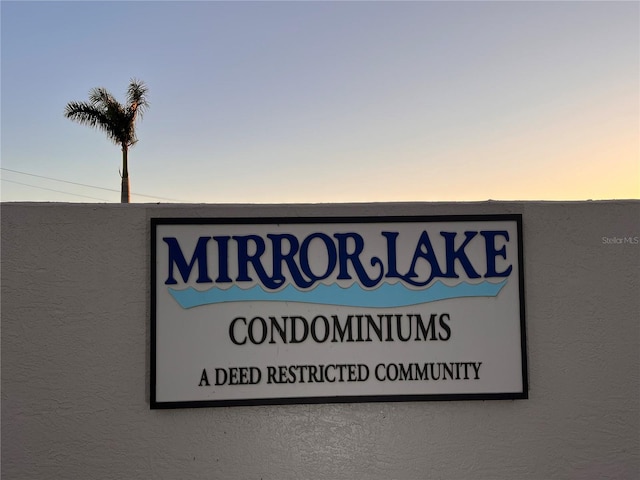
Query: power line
[
  {"x": 82, "y": 185},
  {"x": 57, "y": 180},
  {"x": 52, "y": 190}
]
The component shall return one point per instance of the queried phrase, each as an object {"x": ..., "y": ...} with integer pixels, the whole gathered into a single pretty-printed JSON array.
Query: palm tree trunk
[{"x": 124, "y": 193}]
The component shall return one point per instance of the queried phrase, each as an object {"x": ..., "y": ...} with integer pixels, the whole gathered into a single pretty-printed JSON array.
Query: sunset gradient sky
[{"x": 267, "y": 102}]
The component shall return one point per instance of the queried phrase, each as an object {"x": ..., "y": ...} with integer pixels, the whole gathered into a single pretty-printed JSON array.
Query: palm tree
[{"x": 105, "y": 113}]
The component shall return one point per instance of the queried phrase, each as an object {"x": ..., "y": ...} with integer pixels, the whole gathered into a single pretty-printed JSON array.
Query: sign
[{"x": 254, "y": 311}]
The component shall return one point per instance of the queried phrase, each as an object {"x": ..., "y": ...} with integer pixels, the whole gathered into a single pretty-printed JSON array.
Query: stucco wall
[{"x": 75, "y": 362}]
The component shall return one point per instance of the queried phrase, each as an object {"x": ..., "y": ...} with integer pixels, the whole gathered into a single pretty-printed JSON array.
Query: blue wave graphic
[{"x": 385, "y": 296}]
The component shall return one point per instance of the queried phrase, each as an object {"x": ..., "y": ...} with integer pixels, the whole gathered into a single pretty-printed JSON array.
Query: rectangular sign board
[{"x": 255, "y": 311}]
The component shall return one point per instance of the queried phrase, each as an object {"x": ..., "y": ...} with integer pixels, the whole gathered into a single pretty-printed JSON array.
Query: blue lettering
[
  {"x": 423, "y": 250},
  {"x": 492, "y": 253},
  {"x": 354, "y": 258},
  {"x": 177, "y": 258},
  {"x": 304, "y": 261},
  {"x": 223, "y": 259},
  {"x": 244, "y": 259},
  {"x": 278, "y": 257},
  {"x": 392, "y": 269},
  {"x": 332, "y": 256},
  {"x": 459, "y": 254}
]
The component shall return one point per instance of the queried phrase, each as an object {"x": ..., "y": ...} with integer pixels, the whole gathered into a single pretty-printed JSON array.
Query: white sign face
[{"x": 310, "y": 310}]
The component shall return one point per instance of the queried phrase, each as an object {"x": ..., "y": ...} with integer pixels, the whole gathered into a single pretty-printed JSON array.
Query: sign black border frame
[{"x": 155, "y": 221}]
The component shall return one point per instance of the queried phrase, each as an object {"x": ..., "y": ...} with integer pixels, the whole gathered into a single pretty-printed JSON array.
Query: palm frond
[
  {"x": 101, "y": 97},
  {"x": 84, "y": 113},
  {"x": 137, "y": 102},
  {"x": 96, "y": 117}
]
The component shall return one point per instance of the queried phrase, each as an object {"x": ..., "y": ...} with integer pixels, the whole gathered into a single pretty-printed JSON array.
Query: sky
[{"x": 315, "y": 102}]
